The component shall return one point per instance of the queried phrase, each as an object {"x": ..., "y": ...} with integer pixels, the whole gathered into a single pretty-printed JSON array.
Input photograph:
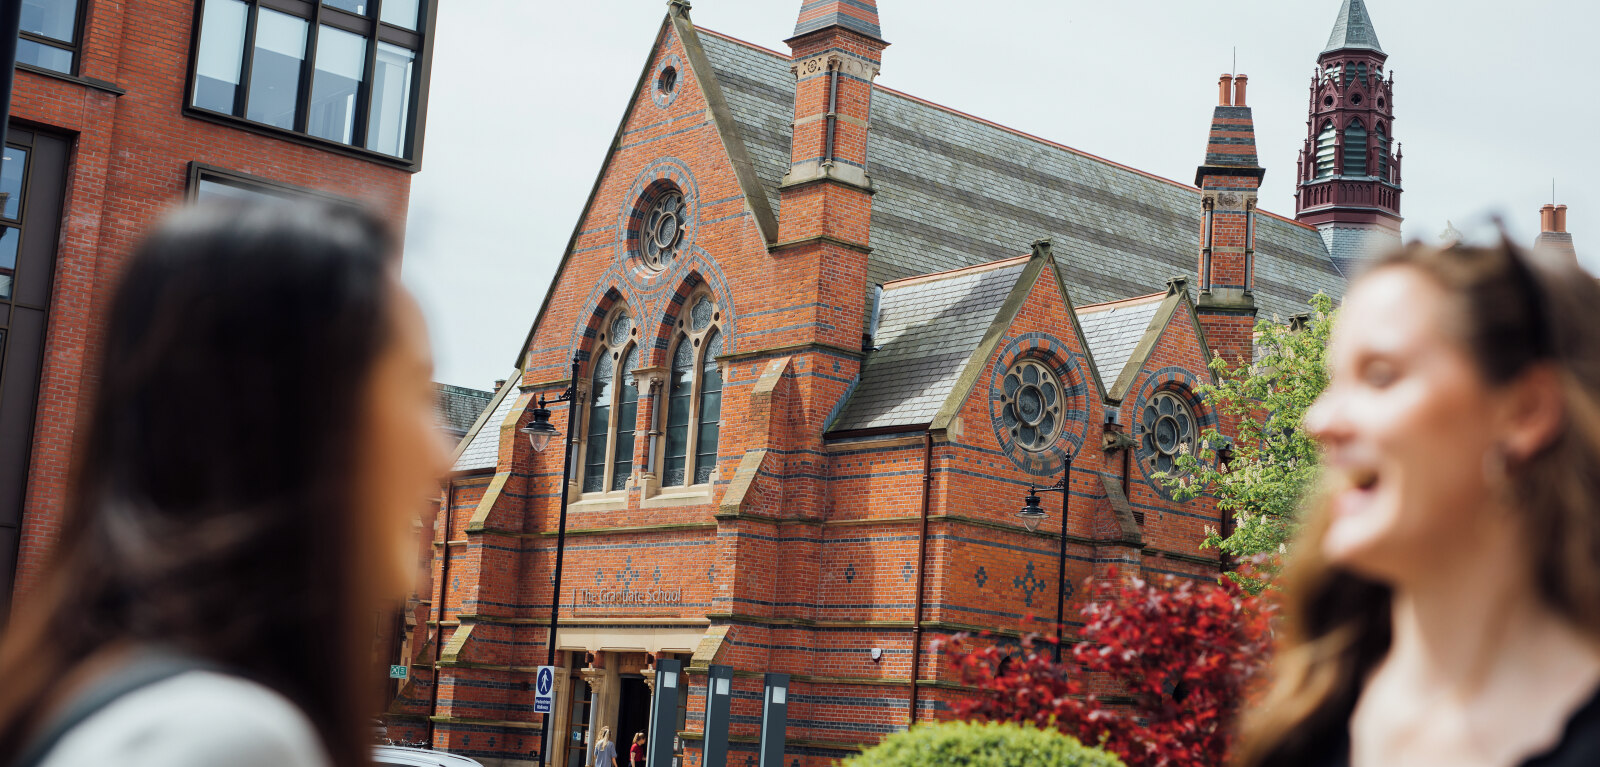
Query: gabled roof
[
  {"x": 479, "y": 450},
  {"x": 459, "y": 407},
  {"x": 928, "y": 328},
  {"x": 1353, "y": 29},
  {"x": 1113, "y": 330},
  {"x": 954, "y": 191}
]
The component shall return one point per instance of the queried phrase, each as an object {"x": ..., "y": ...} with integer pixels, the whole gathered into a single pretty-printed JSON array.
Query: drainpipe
[
  {"x": 438, "y": 608},
  {"x": 833, "y": 111},
  {"x": 922, "y": 570}
]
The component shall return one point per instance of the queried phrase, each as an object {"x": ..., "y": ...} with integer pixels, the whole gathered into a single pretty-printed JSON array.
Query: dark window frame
[
  {"x": 205, "y": 171},
  {"x": 371, "y": 27},
  {"x": 79, "y": 24}
]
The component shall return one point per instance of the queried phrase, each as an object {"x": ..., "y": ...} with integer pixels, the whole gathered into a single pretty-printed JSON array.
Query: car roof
[{"x": 420, "y": 757}]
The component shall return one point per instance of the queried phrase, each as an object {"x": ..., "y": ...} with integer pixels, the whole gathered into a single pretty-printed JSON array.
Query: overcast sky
[{"x": 1493, "y": 101}]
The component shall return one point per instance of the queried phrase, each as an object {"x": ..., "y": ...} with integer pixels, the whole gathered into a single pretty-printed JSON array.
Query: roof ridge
[
  {"x": 949, "y": 273},
  {"x": 1008, "y": 129}
]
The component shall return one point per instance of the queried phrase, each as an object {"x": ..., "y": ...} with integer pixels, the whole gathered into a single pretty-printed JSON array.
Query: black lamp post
[
  {"x": 1032, "y": 514},
  {"x": 540, "y": 431}
]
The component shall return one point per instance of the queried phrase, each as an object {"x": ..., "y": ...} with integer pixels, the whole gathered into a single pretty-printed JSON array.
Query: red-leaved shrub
[{"x": 1181, "y": 658}]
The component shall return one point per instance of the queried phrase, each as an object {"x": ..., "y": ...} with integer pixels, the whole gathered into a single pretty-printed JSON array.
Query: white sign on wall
[{"x": 544, "y": 690}]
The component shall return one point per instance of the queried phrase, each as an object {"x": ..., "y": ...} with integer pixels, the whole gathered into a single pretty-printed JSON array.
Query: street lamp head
[
  {"x": 539, "y": 430},
  {"x": 1032, "y": 514}
]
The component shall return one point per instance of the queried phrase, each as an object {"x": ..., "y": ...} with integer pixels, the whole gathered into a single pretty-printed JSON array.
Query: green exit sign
[{"x": 397, "y": 672}]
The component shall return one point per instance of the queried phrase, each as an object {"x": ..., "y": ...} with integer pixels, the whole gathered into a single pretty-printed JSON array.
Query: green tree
[
  {"x": 1274, "y": 462},
  {"x": 970, "y": 744}
]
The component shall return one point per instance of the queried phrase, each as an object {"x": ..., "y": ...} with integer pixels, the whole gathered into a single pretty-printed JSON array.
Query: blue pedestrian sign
[{"x": 544, "y": 690}]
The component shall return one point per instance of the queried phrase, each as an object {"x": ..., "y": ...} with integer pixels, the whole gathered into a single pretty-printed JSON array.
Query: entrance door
[{"x": 633, "y": 714}]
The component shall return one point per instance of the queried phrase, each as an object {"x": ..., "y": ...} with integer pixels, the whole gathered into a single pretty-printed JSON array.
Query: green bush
[{"x": 969, "y": 744}]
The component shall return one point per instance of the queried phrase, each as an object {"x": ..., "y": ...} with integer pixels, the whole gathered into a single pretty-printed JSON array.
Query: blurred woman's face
[
  {"x": 404, "y": 455},
  {"x": 1404, "y": 428}
]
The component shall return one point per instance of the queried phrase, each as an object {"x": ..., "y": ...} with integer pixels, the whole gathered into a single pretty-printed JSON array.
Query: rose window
[
  {"x": 1032, "y": 406},
  {"x": 1167, "y": 429},
  {"x": 662, "y": 234}
]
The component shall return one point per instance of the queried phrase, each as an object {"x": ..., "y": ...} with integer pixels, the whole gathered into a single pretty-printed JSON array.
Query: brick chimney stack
[
  {"x": 1229, "y": 182},
  {"x": 1553, "y": 235}
]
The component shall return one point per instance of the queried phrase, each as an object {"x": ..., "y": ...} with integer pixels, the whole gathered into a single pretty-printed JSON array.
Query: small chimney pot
[
  {"x": 1225, "y": 91},
  {"x": 1561, "y": 218},
  {"x": 1547, "y": 218},
  {"x": 1240, "y": 83}
]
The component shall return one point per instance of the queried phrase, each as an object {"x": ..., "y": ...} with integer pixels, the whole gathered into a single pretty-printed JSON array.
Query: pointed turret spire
[
  {"x": 1353, "y": 29},
  {"x": 860, "y": 16}
]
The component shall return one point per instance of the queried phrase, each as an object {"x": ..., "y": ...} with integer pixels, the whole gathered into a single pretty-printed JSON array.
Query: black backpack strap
[{"x": 145, "y": 668}]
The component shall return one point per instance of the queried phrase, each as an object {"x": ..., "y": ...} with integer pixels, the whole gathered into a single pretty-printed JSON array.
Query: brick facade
[
  {"x": 833, "y": 519},
  {"x": 132, "y": 146}
]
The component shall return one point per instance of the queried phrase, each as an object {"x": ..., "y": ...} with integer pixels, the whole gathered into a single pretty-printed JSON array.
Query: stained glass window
[{"x": 627, "y": 416}]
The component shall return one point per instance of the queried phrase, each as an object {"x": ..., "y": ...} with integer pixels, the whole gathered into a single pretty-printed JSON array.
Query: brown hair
[
  {"x": 211, "y": 509},
  {"x": 1512, "y": 311}
]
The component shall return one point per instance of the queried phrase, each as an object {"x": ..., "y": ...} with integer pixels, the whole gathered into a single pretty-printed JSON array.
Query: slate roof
[
  {"x": 956, "y": 191},
  {"x": 481, "y": 449},
  {"x": 459, "y": 407},
  {"x": 927, "y": 329},
  {"x": 857, "y": 15},
  {"x": 1113, "y": 330},
  {"x": 1353, "y": 30}
]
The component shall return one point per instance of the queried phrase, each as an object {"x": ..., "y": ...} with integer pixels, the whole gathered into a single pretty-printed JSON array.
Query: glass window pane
[
  {"x": 275, "y": 72},
  {"x": 229, "y": 189},
  {"x": 9, "y": 237},
  {"x": 401, "y": 13},
  {"x": 55, "y": 19},
  {"x": 627, "y": 418},
  {"x": 216, "y": 82},
  {"x": 705, "y": 458},
  {"x": 44, "y": 56},
  {"x": 11, "y": 172},
  {"x": 341, "y": 60},
  {"x": 354, "y": 6},
  {"x": 594, "y": 465},
  {"x": 388, "y": 123}
]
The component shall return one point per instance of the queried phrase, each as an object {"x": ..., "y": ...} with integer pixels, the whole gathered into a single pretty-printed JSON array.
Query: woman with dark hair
[
  {"x": 1443, "y": 602},
  {"x": 260, "y": 444}
]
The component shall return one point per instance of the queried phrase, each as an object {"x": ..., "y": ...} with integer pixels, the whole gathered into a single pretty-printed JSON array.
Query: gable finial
[{"x": 1044, "y": 247}]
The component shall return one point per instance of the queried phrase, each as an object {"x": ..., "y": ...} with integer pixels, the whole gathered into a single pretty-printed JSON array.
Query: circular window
[
  {"x": 1380, "y": 103},
  {"x": 661, "y": 235},
  {"x": 1356, "y": 99},
  {"x": 667, "y": 81},
  {"x": 620, "y": 328},
  {"x": 701, "y": 314},
  {"x": 1327, "y": 101},
  {"x": 1167, "y": 429},
  {"x": 1031, "y": 402}
]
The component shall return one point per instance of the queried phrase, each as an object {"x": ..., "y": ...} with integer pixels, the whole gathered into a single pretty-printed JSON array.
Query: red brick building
[
  {"x": 123, "y": 108},
  {"x": 829, "y": 334}
]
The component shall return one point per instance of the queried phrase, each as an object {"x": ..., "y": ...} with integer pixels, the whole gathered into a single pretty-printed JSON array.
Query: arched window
[
  {"x": 1383, "y": 153},
  {"x": 1326, "y": 140},
  {"x": 694, "y": 397},
  {"x": 1355, "y": 149},
  {"x": 613, "y": 407}
]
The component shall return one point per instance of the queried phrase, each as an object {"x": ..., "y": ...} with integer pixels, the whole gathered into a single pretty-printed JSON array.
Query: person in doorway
[
  {"x": 605, "y": 751},
  {"x": 1443, "y": 601},
  {"x": 260, "y": 444},
  {"x": 636, "y": 751}
]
